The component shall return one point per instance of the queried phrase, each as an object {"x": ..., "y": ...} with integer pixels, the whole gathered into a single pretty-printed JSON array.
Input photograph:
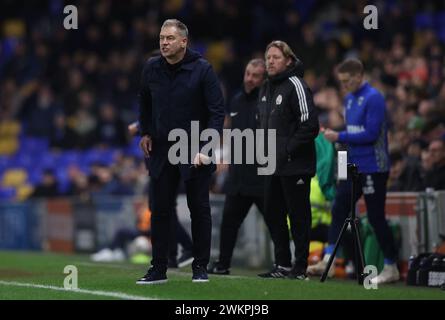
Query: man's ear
[
  {"x": 184, "y": 43},
  {"x": 288, "y": 62}
]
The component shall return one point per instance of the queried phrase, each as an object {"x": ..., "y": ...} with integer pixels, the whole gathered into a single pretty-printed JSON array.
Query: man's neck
[
  {"x": 176, "y": 59},
  {"x": 360, "y": 86}
]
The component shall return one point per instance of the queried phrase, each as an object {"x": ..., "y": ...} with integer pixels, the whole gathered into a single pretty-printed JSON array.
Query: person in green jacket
[{"x": 322, "y": 189}]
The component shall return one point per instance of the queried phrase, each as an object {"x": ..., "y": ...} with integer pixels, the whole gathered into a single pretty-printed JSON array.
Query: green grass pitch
[{"x": 35, "y": 275}]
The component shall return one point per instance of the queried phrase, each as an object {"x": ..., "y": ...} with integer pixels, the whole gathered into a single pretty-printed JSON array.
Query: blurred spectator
[
  {"x": 48, "y": 188},
  {"x": 404, "y": 175},
  {"x": 78, "y": 183},
  {"x": 84, "y": 127},
  {"x": 110, "y": 130},
  {"x": 62, "y": 136},
  {"x": 435, "y": 176},
  {"x": 47, "y": 72},
  {"x": 41, "y": 113}
]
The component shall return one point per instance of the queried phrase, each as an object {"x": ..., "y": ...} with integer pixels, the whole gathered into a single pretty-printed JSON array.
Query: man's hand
[
  {"x": 330, "y": 135},
  {"x": 133, "y": 128},
  {"x": 145, "y": 145},
  {"x": 201, "y": 159}
]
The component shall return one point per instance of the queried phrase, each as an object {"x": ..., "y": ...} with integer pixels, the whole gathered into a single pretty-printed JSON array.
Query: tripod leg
[
  {"x": 331, "y": 258},
  {"x": 359, "y": 258}
]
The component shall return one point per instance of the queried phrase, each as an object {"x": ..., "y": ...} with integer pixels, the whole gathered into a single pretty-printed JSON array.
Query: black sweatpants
[
  {"x": 289, "y": 195},
  {"x": 163, "y": 201},
  {"x": 236, "y": 208}
]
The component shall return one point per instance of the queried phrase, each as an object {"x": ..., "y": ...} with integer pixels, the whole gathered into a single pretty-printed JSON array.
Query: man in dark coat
[
  {"x": 245, "y": 187},
  {"x": 286, "y": 106},
  {"x": 177, "y": 88}
]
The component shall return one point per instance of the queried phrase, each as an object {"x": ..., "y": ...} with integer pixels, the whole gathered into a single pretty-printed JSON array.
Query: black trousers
[
  {"x": 178, "y": 235},
  {"x": 125, "y": 235},
  {"x": 373, "y": 187},
  {"x": 289, "y": 195},
  {"x": 235, "y": 211},
  {"x": 163, "y": 200}
]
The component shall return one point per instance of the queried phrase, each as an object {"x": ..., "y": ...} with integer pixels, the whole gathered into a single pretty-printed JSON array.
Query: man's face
[
  {"x": 396, "y": 169},
  {"x": 350, "y": 82},
  {"x": 276, "y": 62},
  {"x": 171, "y": 43},
  {"x": 253, "y": 77},
  {"x": 436, "y": 150}
]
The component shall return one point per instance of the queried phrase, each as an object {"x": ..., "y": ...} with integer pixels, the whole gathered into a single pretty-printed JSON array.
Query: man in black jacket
[
  {"x": 286, "y": 106},
  {"x": 177, "y": 88},
  {"x": 244, "y": 186}
]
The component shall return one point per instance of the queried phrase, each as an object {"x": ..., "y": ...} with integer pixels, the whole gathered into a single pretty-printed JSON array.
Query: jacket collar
[
  {"x": 296, "y": 69},
  {"x": 186, "y": 63},
  {"x": 253, "y": 94},
  {"x": 361, "y": 89}
]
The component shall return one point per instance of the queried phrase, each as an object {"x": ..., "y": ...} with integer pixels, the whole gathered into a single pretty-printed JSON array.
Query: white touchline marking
[
  {"x": 181, "y": 273},
  {"x": 112, "y": 294},
  {"x": 106, "y": 265}
]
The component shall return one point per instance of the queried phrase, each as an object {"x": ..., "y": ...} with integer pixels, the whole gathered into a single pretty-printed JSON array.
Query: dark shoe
[
  {"x": 172, "y": 264},
  {"x": 276, "y": 272},
  {"x": 185, "y": 259},
  {"x": 217, "y": 268},
  {"x": 296, "y": 274},
  {"x": 153, "y": 276},
  {"x": 200, "y": 274}
]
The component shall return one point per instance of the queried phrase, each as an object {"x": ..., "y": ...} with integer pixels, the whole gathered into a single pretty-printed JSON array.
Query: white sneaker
[
  {"x": 104, "y": 255},
  {"x": 118, "y": 255},
  {"x": 390, "y": 273},
  {"x": 318, "y": 268}
]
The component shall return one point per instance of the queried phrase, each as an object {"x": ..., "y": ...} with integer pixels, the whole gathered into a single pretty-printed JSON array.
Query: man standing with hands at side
[
  {"x": 244, "y": 187},
  {"x": 286, "y": 106},
  {"x": 177, "y": 88}
]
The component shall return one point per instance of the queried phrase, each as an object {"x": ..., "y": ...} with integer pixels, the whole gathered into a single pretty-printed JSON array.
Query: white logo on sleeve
[
  {"x": 300, "y": 182},
  {"x": 263, "y": 98},
  {"x": 279, "y": 100},
  {"x": 232, "y": 114}
]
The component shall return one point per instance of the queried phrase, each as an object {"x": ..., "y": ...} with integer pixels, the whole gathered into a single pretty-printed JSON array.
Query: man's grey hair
[
  {"x": 182, "y": 28},
  {"x": 257, "y": 63}
]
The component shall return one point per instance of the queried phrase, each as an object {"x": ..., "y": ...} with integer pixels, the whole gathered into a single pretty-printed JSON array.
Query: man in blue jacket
[
  {"x": 366, "y": 138},
  {"x": 177, "y": 88}
]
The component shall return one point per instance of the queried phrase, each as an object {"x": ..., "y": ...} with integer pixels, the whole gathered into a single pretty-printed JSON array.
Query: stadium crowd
[{"x": 77, "y": 90}]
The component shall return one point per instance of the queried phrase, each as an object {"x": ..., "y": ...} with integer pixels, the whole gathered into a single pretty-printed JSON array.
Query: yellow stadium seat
[
  {"x": 9, "y": 129},
  {"x": 8, "y": 146},
  {"x": 24, "y": 191},
  {"x": 14, "y": 178}
]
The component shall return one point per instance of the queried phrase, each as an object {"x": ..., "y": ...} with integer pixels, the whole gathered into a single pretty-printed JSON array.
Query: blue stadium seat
[
  {"x": 34, "y": 145},
  {"x": 47, "y": 161},
  {"x": 68, "y": 157},
  {"x": 4, "y": 162},
  {"x": 133, "y": 149},
  {"x": 25, "y": 160},
  {"x": 7, "y": 193},
  {"x": 423, "y": 21},
  {"x": 35, "y": 176},
  {"x": 439, "y": 20},
  {"x": 105, "y": 156},
  {"x": 62, "y": 179}
]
